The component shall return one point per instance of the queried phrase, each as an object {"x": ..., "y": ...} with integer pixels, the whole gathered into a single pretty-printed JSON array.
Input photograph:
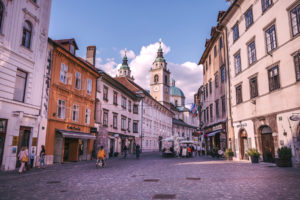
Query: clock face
[{"x": 156, "y": 88}]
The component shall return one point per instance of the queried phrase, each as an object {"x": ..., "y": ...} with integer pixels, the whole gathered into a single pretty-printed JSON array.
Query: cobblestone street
[{"x": 153, "y": 175}]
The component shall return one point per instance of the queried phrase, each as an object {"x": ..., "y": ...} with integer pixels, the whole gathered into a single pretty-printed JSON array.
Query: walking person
[
  {"x": 125, "y": 151},
  {"x": 199, "y": 150},
  {"x": 137, "y": 151},
  {"x": 42, "y": 157},
  {"x": 32, "y": 156},
  {"x": 23, "y": 157}
]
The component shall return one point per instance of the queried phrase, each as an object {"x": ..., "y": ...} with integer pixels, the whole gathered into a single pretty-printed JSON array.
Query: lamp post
[{"x": 141, "y": 95}]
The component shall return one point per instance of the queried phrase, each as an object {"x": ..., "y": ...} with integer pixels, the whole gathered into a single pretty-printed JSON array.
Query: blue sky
[{"x": 113, "y": 25}]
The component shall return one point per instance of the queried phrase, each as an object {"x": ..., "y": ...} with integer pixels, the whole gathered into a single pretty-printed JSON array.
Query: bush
[
  {"x": 284, "y": 153},
  {"x": 229, "y": 153},
  {"x": 253, "y": 153}
]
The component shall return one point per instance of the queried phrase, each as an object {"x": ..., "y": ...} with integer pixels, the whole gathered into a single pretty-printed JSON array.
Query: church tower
[
  {"x": 160, "y": 79},
  {"x": 124, "y": 70}
]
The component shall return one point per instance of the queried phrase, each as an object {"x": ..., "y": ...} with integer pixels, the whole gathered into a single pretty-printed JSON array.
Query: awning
[
  {"x": 214, "y": 133},
  {"x": 76, "y": 134}
]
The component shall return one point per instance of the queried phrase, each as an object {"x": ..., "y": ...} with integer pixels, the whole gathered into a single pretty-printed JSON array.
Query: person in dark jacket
[
  {"x": 137, "y": 151},
  {"x": 125, "y": 151}
]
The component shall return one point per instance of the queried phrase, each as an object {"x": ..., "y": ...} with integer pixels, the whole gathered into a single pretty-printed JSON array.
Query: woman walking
[
  {"x": 23, "y": 157},
  {"x": 42, "y": 157}
]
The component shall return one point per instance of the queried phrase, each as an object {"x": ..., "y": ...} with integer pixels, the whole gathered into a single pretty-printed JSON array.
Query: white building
[
  {"x": 23, "y": 46},
  {"x": 264, "y": 66}
]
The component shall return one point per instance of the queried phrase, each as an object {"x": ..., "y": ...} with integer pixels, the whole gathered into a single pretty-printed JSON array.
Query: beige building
[{"x": 264, "y": 66}]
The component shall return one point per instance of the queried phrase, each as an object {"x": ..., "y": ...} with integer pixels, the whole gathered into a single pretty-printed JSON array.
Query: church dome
[{"x": 175, "y": 91}]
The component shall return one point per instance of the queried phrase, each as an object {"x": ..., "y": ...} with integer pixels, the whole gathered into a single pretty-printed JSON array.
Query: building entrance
[
  {"x": 3, "y": 125},
  {"x": 71, "y": 150},
  {"x": 267, "y": 144},
  {"x": 244, "y": 144},
  {"x": 24, "y": 137}
]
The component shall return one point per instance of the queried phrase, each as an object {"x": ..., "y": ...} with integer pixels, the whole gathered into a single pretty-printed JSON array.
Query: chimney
[{"x": 91, "y": 54}]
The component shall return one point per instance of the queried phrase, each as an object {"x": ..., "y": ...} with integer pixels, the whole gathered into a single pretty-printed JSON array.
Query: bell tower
[
  {"x": 124, "y": 70},
  {"x": 160, "y": 79}
]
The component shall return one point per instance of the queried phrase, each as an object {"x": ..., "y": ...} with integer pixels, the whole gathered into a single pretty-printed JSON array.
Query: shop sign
[
  {"x": 241, "y": 125},
  {"x": 73, "y": 128},
  {"x": 34, "y": 141},
  {"x": 15, "y": 141},
  {"x": 93, "y": 130},
  {"x": 217, "y": 127}
]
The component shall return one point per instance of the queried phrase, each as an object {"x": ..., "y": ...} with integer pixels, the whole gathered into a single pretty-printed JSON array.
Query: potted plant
[
  {"x": 229, "y": 154},
  {"x": 254, "y": 155},
  {"x": 284, "y": 157}
]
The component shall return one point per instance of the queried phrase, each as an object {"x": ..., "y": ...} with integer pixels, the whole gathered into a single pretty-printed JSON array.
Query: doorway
[
  {"x": 244, "y": 144},
  {"x": 267, "y": 144},
  {"x": 24, "y": 137},
  {"x": 71, "y": 150},
  {"x": 3, "y": 126},
  {"x": 111, "y": 147},
  {"x": 160, "y": 143}
]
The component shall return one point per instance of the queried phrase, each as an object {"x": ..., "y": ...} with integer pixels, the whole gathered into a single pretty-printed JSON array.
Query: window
[
  {"x": 274, "y": 78},
  {"x": 216, "y": 80},
  {"x": 75, "y": 113},
  {"x": 63, "y": 73},
  {"x": 123, "y": 123},
  {"x": 211, "y": 112},
  {"x": 266, "y": 4},
  {"x": 1, "y": 14},
  {"x": 251, "y": 53},
  {"x": 176, "y": 103},
  {"x": 105, "y": 117},
  {"x": 166, "y": 80},
  {"x": 20, "y": 86},
  {"x": 204, "y": 116},
  {"x": 129, "y": 122},
  {"x": 105, "y": 93},
  {"x": 204, "y": 92},
  {"x": 78, "y": 80},
  {"x": 156, "y": 78},
  {"x": 223, "y": 105},
  {"x": 297, "y": 66},
  {"x": 295, "y": 20},
  {"x": 135, "y": 126},
  {"x": 61, "y": 109},
  {"x": 215, "y": 51},
  {"x": 124, "y": 100},
  {"x": 253, "y": 87},
  {"x": 237, "y": 63},
  {"x": 235, "y": 31},
  {"x": 206, "y": 66},
  {"x": 135, "y": 109},
  {"x": 87, "y": 118},
  {"x": 115, "y": 120},
  {"x": 220, "y": 43},
  {"x": 204, "y": 69},
  {"x": 89, "y": 86},
  {"x": 217, "y": 108},
  {"x": 209, "y": 59},
  {"x": 271, "y": 38},
  {"x": 248, "y": 18},
  {"x": 210, "y": 86},
  {"x": 238, "y": 91},
  {"x": 72, "y": 49},
  {"x": 34, "y": 1},
  {"x": 207, "y": 115},
  {"x": 206, "y": 89},
  {"x": 115, "y": 99},
  {"x": 223, "y": 74},
  {"x": 27, "y": 31},
  {"x": 129, "y": 106}
]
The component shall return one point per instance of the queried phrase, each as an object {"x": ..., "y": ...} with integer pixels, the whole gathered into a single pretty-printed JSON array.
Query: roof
[
  {"x": 180, "y": 122},
  {"x": 65, "y": 41},
  {"x": 175, "y": 91}
]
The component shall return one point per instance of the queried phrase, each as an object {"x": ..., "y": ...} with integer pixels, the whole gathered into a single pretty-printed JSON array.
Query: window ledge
[
  {"x": 33, "y": 3},
  {"x": 23, "y": 47}
]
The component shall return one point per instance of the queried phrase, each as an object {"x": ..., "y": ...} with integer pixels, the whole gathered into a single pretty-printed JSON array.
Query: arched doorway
[
  {"x": 267, "y": 144},
  {"x": 243, "y": 144}
]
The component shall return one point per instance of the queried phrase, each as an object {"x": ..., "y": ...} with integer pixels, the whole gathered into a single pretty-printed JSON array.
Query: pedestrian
[
  {"x": 125, "y": 151},
  {"x": 189, "y": 151},
  {"x": 42, "y": 157},
  {"x": 101, "y": 155},
  {"x": 199, "y": 150},
  {"x": 23, "y": 157},
  {"x": 32, "y": 156},
  {"x": 137, "y": 151}
]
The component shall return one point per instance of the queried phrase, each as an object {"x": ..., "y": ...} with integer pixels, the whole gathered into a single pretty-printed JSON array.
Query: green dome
[
  {"x": 160, "y": 59},
  {"x": 175, "y": 91}
]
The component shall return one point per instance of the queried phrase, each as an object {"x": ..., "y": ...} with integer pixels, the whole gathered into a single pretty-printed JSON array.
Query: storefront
[
  {"x": 216, "y": 136},
  {"x": 117, "y": 141}
]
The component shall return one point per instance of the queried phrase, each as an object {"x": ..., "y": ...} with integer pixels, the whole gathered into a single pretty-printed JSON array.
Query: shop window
[
  {"x": 27, "y": 32},
  {"x": 20, "y": 86}
]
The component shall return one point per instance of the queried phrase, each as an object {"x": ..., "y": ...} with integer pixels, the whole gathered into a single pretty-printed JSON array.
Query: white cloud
[
  {"x": 188, "y": 75},
  {"x": 130, "y": 54},
  {"x": 109, "y": 67}
]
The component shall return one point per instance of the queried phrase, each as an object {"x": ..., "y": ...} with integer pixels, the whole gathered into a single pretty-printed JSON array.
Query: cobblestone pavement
[{"x": 153, "y": 175}]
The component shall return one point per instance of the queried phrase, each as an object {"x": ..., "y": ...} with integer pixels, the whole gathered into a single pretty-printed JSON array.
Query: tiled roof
[{"x": 63, "y": 41}]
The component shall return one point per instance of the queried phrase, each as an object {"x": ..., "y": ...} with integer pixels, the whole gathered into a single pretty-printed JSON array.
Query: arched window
[
  {"x": 176, "y": 103},
  {"x": 156, "y": 78},
  {"x": 27, "y": 32},
  {"x": 166, "y": 80},
  {"x": 1, "y": 14}
]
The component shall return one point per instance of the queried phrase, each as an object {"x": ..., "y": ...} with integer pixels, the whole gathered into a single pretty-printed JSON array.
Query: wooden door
[
  {"x": 268, "y": 147},
  {"x": 242, "y": 148},
  {"x": 73, "y": 151}
]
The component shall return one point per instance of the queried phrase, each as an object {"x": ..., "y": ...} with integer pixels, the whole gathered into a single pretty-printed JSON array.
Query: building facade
[
  {"x": 118, "y": 112},
  {"x": 264, "y": 46},
  {"x": 71, "y": 104},
  {"x": 213, "y": 103},
  {"x": 23, "y": 53}
]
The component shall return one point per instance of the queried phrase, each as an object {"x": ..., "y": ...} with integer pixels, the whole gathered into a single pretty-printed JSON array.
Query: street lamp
[{"x": 141, "y": 95}]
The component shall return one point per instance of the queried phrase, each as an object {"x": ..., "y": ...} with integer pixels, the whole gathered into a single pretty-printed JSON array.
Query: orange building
[{"x": 71, "y": 105}]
